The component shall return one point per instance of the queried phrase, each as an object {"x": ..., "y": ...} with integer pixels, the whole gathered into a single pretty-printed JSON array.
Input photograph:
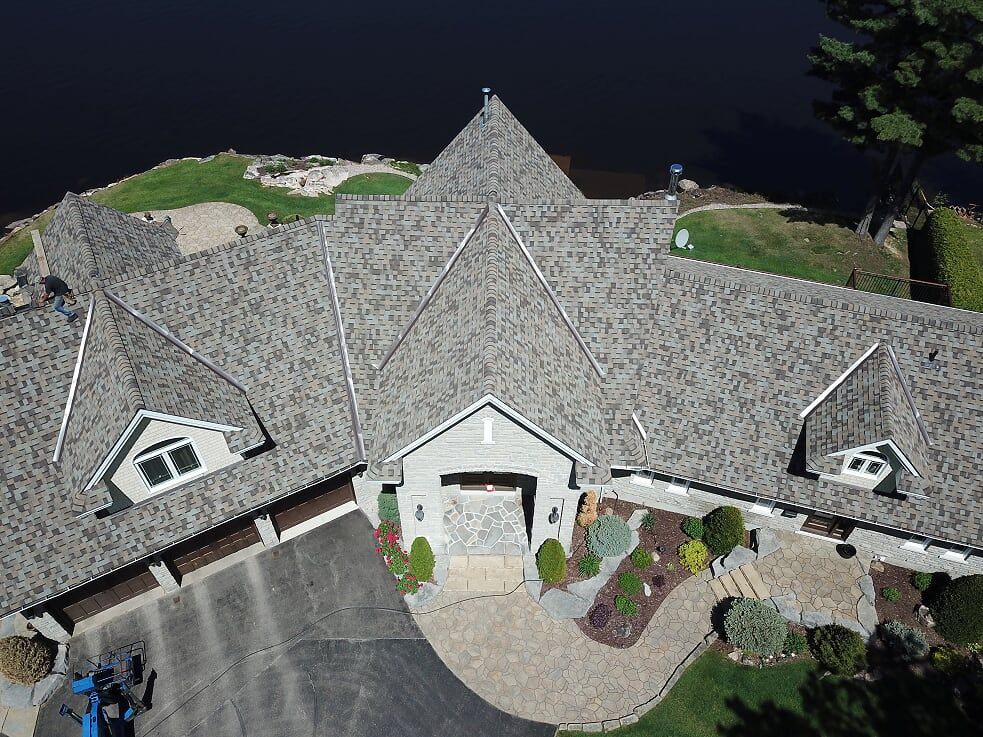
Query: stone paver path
[
  {"x": 493, "y": 524},
  {"x": 495, "y": 573},
  {"x": 513, "y": 655},
  {"x": 821, "y": 579},
  {"x": 206, "y": 225}
]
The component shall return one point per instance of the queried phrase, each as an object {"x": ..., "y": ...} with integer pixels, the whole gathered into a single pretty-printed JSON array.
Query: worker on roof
[{"x": 52, "y": 286}]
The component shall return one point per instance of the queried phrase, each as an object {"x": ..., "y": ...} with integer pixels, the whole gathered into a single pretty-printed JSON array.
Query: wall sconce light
[
  {"x": 419, "y": 513},
  {"x": 554, "y": 516}
]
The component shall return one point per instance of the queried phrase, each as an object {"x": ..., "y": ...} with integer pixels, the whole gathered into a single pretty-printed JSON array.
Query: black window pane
[
  {"x": 155, "y": 470},
  {"x": 184, "y": 459},
  {"x": 856, "y": 463},
  {"x": 874, "y": 468}
]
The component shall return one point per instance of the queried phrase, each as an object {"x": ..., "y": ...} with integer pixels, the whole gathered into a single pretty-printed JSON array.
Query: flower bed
[
  {"x": 395, "y": 558},
  {"x": 904, "y": 608},
  {"x": 662, "y": 576}
]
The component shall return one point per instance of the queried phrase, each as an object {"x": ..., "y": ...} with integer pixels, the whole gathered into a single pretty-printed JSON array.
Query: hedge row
[{"x": 957, "y": 247}]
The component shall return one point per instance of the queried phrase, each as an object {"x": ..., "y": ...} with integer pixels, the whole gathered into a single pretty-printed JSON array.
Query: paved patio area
[
  {"x": 513, "y": 655},
  {"x": 206, "y": 225}
]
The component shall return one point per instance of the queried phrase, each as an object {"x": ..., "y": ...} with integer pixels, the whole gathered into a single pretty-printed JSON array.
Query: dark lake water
[{"x": 96, "y": 90}]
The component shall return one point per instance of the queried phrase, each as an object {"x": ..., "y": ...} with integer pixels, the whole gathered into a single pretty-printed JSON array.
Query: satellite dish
[{"x": 681, "y": 237}]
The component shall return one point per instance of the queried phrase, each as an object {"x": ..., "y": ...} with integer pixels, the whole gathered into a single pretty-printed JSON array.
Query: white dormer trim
[
  {"x": 832, "y": 387},
  {"x": 638, "y": 426},
  {"x": 492, "y": 401},
  {"x": 875, "y": 447},
  {"x": 131, "y": 428}
]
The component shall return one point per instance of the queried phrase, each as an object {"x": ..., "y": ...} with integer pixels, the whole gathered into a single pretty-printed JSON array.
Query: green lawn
[
  {"x": 219, "y": 180},
  {"x": 790, "y": 243},
  {"x": 718, "y": 698}
]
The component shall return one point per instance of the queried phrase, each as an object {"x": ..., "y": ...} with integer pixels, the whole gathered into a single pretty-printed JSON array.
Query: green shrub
[
  {"x": 754, "y": 626},
  {"x": 388, "y": 507},
  {"x": 626, "y": 606},
  {"x": 551, "y": 561},
  {"x": 958, "y": 610},
  {"x": 649, "y": 521},
  {"x": 723, "y": 530},
  {"x": 838, "y": 649},
  {"x": 694, "y": 556},
  {"x": 906, "y": 641},
  {"x": 24, "y": 660},
  {"x": 421, "y": 559},
  {"x": 641, "y": 558},
  {"x": 589, "y": 566},
  {"x": 398, "y": 565},
  {"x": 890, "y": 593},
  {"x": 276, "y": 167},
  {"x": 922, "y": 581},
  {"x": 692, "y": 527},
  {"x": 795, "y": 644},
  {"x": 608, "y": 535},
  {"x": 948, "y": 660},
  {"x": 630, "y": 583},
  {"x": 954, "y": 244}
]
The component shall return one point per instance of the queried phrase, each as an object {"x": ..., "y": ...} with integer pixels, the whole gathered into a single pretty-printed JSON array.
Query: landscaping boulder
[
  {"x": 372, "y": 159},
  {"x": 852, "y": 624},
  {"x": 787, "y": 606},
  {"x": 635, "y": 520},
  {"x": 561, "y": 604},
  {"x": 736, "y": 558},
  {"x": 816, "y": 619},
  {"x": 766, "y": 541},
  {"x": 588, "y": 588},
  {"x": 924, "y": 617},
  {"x": 866, "y": 584},
  {"x": 687, "y": 185},
  {"x": 867, "y": 614}
]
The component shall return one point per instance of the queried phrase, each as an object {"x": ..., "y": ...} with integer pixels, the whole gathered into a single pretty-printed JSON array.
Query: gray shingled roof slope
[
  {"x": 238, "y": 305},
  {"x": 490, "y": 328},
  {"x": 496, "y": 159},
  {"x": 88, "y": 244},
  {"x": 868, "y": 406},
  {"x": 735, "y": 356}
]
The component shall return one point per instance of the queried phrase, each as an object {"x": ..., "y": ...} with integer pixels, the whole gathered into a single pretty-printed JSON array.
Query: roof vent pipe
[
  {"x": 486, "y": 91},
  {"x": 675, "y": 171}
]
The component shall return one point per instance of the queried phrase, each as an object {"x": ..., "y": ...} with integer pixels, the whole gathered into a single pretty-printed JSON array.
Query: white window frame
[
  {"x": 164, "y": 452},
  {"x": 867, "y": 458},
  {"x": 678, "y": 486},
  {"x": 643, "y": 477},
  {"x": 764, "y": 507}
]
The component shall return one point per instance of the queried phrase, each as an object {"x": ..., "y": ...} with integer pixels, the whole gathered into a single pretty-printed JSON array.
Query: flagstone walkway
[{"x": 513, "y": 655}]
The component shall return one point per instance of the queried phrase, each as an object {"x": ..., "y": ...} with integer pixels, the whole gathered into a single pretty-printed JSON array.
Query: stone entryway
[
  {"x": 485, "y": 525},
  {"x": 487, "y": 573}
]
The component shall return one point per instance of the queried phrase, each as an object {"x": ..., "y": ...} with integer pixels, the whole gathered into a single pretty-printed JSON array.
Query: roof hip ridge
[{"x": 85, "y": 240}]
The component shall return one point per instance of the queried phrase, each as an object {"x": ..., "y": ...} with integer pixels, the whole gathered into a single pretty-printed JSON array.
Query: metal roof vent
[
  {"x": 932, "y": 361},
  {"x": 486, "y": 91}
]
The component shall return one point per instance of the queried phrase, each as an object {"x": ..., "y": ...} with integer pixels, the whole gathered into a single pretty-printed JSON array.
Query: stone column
[
  {"x": 267, "y": 530},
  {"x": 165, "y": 576},
  {"x": 44, "y": 622}
]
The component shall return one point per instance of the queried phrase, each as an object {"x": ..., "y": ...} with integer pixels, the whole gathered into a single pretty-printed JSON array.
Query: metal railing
[{"x": 895, "y": 286}]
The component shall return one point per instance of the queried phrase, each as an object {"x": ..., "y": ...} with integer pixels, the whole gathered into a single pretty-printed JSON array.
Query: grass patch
[
  {"x": 718, "y": 698},
  {"x": 808, "y": 246},
  {"x": 219, "y": 180}
]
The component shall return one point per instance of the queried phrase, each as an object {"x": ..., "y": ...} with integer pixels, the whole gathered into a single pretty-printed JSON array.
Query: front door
[{"x": 827, "y": 525}]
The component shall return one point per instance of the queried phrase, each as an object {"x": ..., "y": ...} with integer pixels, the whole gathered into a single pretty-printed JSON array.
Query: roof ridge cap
[
  {"x": 74, "y": 202},
  {"x": 131, "y": 387},
  {"x": 492, "y": 309}
]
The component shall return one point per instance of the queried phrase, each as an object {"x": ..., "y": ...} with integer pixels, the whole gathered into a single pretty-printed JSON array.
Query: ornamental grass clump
[
  {"x": 589, "y": 566},
  {"x": 625, "y": 606},
  {"x": 958, "y": 610},
  {"x": 755, "y": 627},
  {"x": 630, "y": 583},
  {"x": 692, "y": 527},
  {"x": 723, "y": 530},
  {"x": 694, "y": 556},
  {"x": 906, "y": 641},
  {"x": 24, "y": 660},
  {"x": 608, "y": 536},
  {"x": 422, "y": 560},
  {"x": 588, "y": 510},
  {"x": 641, "y": 558},
  {"x": 839, "y": 649},
  {"x": 551, "y": 561}
]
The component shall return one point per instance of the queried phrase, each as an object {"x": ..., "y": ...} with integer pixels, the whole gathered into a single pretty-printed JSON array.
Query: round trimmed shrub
[
  {"x": 551, "y": 561},
  {"x": 388, "y": 508},
  {"x": 626, "y": 606},
  {"x": 723, "y": 530},
  {"x": 958, "y": 610},
  {"x": 795, "y": 644},
  {"x": 589, "y": 566},
  {"x": 422, "y": 561},
  {"x": 608, "y": 536},
  {"x": 890, "y": 593},
  {"x": 641, "y": 558},
  {"x": 922, "y": 581},
  {"x": 692, "y": 527},
  {"x": 838, "y": 649},
  {"x": 694, "y": 556},
  {"x": 755, "y": 627},
  {"x": 599, "y": 616},
  {"x": 630, "y": 583},
  {"x": 24, "y": 660},
  {"x": 906, "y": 641}
]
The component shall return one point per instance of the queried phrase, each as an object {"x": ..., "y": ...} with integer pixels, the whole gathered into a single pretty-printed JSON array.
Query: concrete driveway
[{"x": 308, "y": 638}]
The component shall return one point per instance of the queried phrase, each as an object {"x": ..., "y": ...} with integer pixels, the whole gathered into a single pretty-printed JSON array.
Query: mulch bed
[
  {"x": 666, "y": 533},
  {"x": 904, "y": 609}
]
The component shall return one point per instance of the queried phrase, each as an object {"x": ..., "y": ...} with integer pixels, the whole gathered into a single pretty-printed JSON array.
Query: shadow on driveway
[{"x": 308, "y": 638}]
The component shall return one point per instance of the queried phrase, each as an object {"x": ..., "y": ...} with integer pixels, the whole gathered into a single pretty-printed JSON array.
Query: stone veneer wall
[{"x": 701, "y": 500}]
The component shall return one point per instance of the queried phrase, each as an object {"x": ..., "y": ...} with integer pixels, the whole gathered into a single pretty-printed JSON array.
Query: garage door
[
  {"x": 106, "y": 592},
  {"x": 213, "y": 546},
  {"x": 309, "y": 504}
]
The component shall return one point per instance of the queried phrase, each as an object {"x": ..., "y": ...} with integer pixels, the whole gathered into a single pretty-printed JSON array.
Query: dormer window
[
  {"x": 169, "y": 462},
  {"x": 868, "y": 463}
]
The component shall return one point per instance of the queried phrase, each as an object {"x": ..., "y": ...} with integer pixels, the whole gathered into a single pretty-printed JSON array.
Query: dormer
[{"x": 864, "y": 429}]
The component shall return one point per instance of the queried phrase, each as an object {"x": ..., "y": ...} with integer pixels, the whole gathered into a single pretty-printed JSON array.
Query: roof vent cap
[
  {"x": 932, "y": 361},
  {"x": 486, "y": 91}
]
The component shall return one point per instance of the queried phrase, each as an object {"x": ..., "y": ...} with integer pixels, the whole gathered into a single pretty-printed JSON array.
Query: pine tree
[{"x": 909, "y": 89}]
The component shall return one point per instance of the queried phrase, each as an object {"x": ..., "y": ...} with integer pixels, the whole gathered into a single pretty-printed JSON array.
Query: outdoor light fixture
[
  {"x": 489, "y": 487},
  {"x": 419, "y": 513},
  {"x": 554, "y": 516},
  {"x": 675, "y": 171}
]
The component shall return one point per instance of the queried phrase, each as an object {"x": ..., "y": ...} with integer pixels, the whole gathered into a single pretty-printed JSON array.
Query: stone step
[
  {"x": 730, "y": 586},
  {"x": 743, "y": 585},
  {"x": 761, "y": 589},
  {"x": 719, "y": 592}
]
